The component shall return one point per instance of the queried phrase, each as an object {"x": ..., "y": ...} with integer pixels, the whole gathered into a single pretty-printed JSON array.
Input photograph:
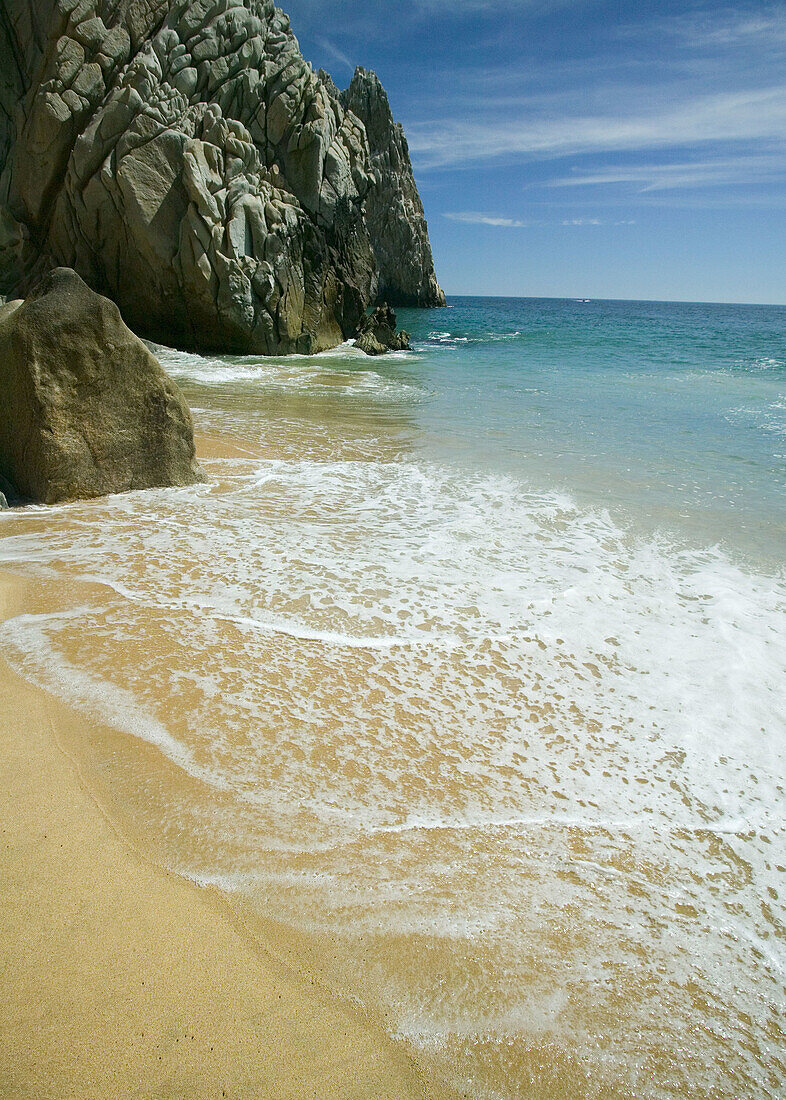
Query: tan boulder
[{"x": 85, "y": 408}]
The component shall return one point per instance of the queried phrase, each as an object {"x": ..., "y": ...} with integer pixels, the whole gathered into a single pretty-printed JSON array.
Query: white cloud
[
  {"x": 744, "y": 116},
  {"x": 715, "y": 172},
  {"x": 335, "y": 53},
  {"x": 736, "y": 27},
  {"x": 470, "y": 217}
]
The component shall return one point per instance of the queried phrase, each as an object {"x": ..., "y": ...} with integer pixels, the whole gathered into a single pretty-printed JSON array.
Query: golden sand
[{"x": 120, "y": 979}]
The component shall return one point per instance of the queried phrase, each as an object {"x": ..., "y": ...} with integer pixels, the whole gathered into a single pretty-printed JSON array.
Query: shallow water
[{"x": 468, "y": 667}]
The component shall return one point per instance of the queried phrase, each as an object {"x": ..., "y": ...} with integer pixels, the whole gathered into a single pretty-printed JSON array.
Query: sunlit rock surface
[
  {"x": 394, "y": 212},
  {"x": 85, "y": 408},
  {"x": 184, "y": 158}
]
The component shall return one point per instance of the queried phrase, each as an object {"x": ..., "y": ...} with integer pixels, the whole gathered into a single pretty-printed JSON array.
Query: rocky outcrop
[
  {"x": 188, "y": 163},
  {"x": 377, "y": 334},
  {"x": 394, "y": 212},
  {"x": 85, "y": 408}
]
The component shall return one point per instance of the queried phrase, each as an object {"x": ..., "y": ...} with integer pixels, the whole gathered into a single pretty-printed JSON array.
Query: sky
[{"x": 581, "y": 148}]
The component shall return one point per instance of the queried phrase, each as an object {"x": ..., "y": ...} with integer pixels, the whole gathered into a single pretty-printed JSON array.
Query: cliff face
[
  {"x": 394, "y": 212},
  {"x": 189, "y": 164}
]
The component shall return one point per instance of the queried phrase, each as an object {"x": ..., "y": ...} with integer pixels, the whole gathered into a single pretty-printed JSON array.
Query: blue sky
[{"x": 583, "y": 148}]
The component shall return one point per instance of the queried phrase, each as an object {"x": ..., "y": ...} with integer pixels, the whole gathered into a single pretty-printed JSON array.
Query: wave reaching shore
[
  {"x": 466, "y": 669},
  {"x": 136, "y": 976}
]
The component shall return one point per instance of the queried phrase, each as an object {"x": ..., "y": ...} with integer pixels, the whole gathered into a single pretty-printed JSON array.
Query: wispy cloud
[
  {"x": 683, "y": 175},
  {"x": 360, "y": 18},
  {"x": 744, "y": 116},
  {"x": 335, "y": 53},
  {"x": 471, "y": 217},
  {"x": 734, "y": 26}
]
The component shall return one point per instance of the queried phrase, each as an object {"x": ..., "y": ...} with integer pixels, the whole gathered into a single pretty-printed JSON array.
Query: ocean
[{"x": 463, "y": 677}]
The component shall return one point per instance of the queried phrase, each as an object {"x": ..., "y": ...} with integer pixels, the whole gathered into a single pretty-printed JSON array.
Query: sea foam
[{"x": 521, "y": 760}]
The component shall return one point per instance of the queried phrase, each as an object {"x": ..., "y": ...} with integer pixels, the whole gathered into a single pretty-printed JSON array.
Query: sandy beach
[
  {"x": 120, "y": 978},
  {"x": 406, "y": 734},
  {"x": 392, "y": 550}
]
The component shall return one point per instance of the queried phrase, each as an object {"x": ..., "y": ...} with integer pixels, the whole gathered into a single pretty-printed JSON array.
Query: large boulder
[
  {"x": 85, "y": 408},
  {"x": 186, "y": 160}
]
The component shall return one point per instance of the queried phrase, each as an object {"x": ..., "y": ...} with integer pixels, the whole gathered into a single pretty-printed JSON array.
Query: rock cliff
[
  {"x": 189, "y": 164},
  {"x": 394, "y": 213}
]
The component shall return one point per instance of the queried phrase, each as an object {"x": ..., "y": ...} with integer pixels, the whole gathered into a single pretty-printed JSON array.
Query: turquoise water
[
  {"x": 467, "y": 666},
  {"x": 671, "y": 414}
]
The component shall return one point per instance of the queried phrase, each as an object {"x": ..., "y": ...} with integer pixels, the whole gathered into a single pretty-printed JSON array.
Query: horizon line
[{"x": 596, "y": 298}]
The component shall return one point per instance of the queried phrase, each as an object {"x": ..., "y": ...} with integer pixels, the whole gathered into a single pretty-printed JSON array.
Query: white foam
[
  {"x": 558, "y": 821},
  {"x": 343, "y": 368},
  {"x": 26, "y": 644},
  {"x": 373, "y": 558},
  {"x": 470, "y": 708}
]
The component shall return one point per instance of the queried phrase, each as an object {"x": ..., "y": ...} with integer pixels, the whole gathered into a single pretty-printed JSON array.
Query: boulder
[
  {"x": 368, "y": 343},
  {"x": 85, "y": 408},
  {"x": 377, "y": 333}
]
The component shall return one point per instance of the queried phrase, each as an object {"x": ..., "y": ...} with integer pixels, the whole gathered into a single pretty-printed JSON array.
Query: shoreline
[{"x": 121, "y": 973}]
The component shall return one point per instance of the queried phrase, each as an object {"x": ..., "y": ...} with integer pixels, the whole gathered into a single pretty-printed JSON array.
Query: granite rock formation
[
  {"x": 7, "y": 308},
  {"x": 377, "y": 334},
  {"x": 85, "y": 408},
  {"x": 394, "y": 213},
  {"x": 189, "y": 164}
]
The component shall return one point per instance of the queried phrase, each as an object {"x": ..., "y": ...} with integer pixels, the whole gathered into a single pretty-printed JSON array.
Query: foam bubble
[{"x": 343, "y": 367}]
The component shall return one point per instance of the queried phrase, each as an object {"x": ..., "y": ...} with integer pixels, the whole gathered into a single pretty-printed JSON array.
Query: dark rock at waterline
[
  {"x": 8, "y": 494},
  {"x": 368, "y": 343},
  {"x": 186, "y": 160},
  {"x": 85, "y": 408},
  {"x": 377, "y": 333}
]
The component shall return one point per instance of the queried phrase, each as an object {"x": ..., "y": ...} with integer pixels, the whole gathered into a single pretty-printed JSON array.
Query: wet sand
[
  {"x": 122, "y": 979},
  {"x": 490, "y": 821}
]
